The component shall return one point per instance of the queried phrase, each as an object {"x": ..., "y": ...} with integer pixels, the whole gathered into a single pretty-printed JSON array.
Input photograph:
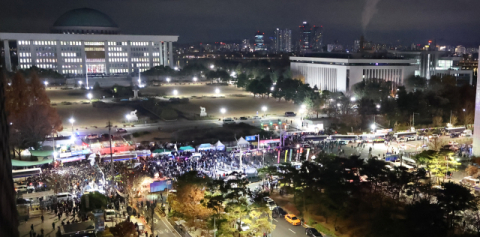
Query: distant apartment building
[{"x": 283, "y": 40}]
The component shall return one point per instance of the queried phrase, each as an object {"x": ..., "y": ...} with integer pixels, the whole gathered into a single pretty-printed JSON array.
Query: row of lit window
[
  {"x": 45, "y": 54},
  {"x": 114, "y": 48},
  {"x": 140, "y": 60},
  {"x": 118, "y": 65},
  {"x": 145, "y": 54},
  {"x": 73, "y": 60},
  {"x": 46, "y": 65},
  {"x": 156, "y": 54},
  {"x": 46, "y": 60},
  {"x": 25, "y": 54},
  {"x": 156, "y": 59},
  {"x": 112, "y": 70},
  {"x": 117, "y": 43},
  {"x": 71, "y": 66},
  {"x": 25, "y": 60},
  {"x": 41, "y": 42},
  {"x": 70, "y": 43},
  {"x": 72, "y": 71},
  {"x": 141, "y": 64},
  {"x": 94, "y": 49},
  {"x": 95, "y": 60},
  {"x": 24, "y": 42},
  {"x": 142, "y": 69},
  {"x": 69, "y": 54},
  {"x": 118, "y": 59},
  {"x": 94, "y": 43},
  {"x": 25, "y": 66},
  {"x": 156, "y": 64},
  {"x": 139, "y": 43},
  {"x": 117, "y": 54}
]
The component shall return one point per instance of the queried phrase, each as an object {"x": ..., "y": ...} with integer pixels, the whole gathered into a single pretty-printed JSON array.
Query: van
[
  {"x": 110, "y": 214},
  {"x": 64, "y": 196},
  {"x": 467, "y": 133},
  {"x": 470, "y": 181},
  {"x": 228, "y": 121},
  {"x": 21, "y": 188},
  {"x": 290, "y": 114}
]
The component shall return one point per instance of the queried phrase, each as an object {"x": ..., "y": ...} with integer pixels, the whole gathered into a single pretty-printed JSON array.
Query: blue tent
[{"x": 206, "y": 146}]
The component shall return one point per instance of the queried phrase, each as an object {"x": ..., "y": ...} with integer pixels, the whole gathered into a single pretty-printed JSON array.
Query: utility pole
[
  {"x": 450, "y": 117},
  {"x": 413, "y": 122},
  {"x": 109, "y": 125}
]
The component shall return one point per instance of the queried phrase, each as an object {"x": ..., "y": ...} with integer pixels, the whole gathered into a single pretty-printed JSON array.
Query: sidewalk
[{"x": 49, "y": 218}]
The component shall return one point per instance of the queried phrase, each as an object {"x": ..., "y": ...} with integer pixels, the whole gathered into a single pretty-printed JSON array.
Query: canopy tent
[
  {"x": 243, "y": 143},
  {"x": 219, "y": 146},
  {"x": 44, "y": 153},
  {"x": 161, "y": 151},
  {"x": 205, "y": 147},
  {"x": 23, "y": 163},
  {"x": 187, "y": 148}
]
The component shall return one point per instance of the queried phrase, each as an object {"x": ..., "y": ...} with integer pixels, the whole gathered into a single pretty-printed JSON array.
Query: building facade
[
  {"x": 260, "y": 41},
  {"x": 283, "y": 40},
  {"x": 311, "y": 38},
  {"x": 340, "y": 74},
  {"x": 86, "y": 41}
]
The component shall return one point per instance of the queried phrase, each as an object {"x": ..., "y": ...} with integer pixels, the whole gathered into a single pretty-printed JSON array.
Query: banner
[{"x": 286, "y": 153}]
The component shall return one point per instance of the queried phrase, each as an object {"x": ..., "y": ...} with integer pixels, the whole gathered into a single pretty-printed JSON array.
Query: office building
[
  {"x": 260, "y": 41},
  {"x": 343, "y": 71},
  {"x": 87, "y": 41},
  {"x": 460, "y": 50},
  {"x": 311, "y": 38},
  {"x": 283, "y": 40}
]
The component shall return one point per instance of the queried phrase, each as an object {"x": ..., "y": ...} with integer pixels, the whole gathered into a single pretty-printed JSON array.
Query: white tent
[
  {"x": 219, "y": 146},
  {"x": 205, "y": 147},
  {"x": 242, "y": 143}
]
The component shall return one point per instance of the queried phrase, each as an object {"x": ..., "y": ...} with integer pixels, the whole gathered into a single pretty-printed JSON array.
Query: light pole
[
  {"x": 223, "y": 111},
  {"x": 72, "y": 120},
  {"x": 264, "y": 109},
  {"x": 413, "y": 121},
  {"x": 89, "y": 96}
]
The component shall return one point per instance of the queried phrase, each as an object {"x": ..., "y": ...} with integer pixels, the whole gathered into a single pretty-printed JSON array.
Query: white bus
[
  {"x": 405, "y": 135},
  {"x": 449, "y": 131},
  {"x": 344, "y": 138},
  {"x": 315, "y": 138},
  {"x": 20, "y": 175}
]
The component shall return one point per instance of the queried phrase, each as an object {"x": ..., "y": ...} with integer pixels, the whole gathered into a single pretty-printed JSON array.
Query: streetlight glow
[
  {"x": 217, "y": 91},
  {"x": 264, "y": 109},
  {"x": 339, "y": 105},
  {"x": 175, "y": 92},
  {"x": 46, "y": 83},
  {"x": 194, "y": 78},
  {"x": 168, "y": 79},
  {"x": 212, "y": 66},
  {"x": 353, "y": 99},
  {"x": 272, "y": 88},
  {"x": 304, "y": 106},
  {"x": 89, "y": 96},
  {"x": 80, "y": 82},
  {"x": 72, "y": 120},
  {"x": 378, "y": 106},
  {"x": 373, "y": 126}
]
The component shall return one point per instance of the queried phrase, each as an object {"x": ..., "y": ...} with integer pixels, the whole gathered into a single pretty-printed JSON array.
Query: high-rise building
[
  {"x": 460, "y": 50},
  {"x": 311, "y": 38},
  {"x": 260, "y": 41},
  {"x": 317, "y": 34},
  {"x": 283, "y": 40},
  {"x": 245, "y": 45},
  {"x": 356, "y": 46}
]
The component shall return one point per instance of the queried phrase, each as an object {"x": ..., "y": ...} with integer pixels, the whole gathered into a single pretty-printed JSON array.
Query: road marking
[{"x": 292, "y": 231}]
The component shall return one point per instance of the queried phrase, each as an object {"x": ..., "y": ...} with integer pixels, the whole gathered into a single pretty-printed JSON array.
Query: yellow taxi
[{"x": 292, "y": 219}]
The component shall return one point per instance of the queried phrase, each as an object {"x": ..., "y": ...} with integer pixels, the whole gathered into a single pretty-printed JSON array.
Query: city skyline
[{"x": 381, "y": 21}]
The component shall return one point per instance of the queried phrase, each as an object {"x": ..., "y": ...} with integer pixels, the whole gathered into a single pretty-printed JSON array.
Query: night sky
[{"x": 404, "y": 21}]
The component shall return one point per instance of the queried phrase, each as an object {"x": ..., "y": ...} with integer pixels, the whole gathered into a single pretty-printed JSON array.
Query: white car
[
  {"x": 228, "y": 121},
  {"x": 401, "y": 139},
  {"x": 271, "y": 205},
  {"x": 411, "y": 139}
]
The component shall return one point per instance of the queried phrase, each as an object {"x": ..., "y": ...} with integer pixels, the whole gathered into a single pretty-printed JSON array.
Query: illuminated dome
[{"x": 85, "y": 21}]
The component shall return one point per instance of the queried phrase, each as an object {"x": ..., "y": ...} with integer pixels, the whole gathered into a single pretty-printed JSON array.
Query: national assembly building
[{"x": 86, "y": 40}]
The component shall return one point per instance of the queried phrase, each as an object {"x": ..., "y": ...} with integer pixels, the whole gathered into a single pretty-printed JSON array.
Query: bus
[
  {"x": 315, "y": 138},
  {"x": 372, "y": 137},
  {"x": 405, "y": 135},
  {"x": 344, "y": 138},
  {"x": 449, "y": 131},
  {"x": 122, "y": 156},
  {"x": 20, "y": 175}
]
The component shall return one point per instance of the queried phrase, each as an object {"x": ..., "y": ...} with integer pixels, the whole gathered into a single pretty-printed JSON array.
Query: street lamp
[
  {"x": 128, "y": 117},
  {"x": 80, "y": 83},
  {"x": 303, "y": 106},
  {"x": 89, "y": 96},
  {"x": 264, "y": 109},
  {"x": 378, "y": 106},
  {"x": 194, "y": 78},
  {"x": 72, "y": 120},
  {"x": 223, "y": 111},
  {"x": 212, "y": 66},
  {"x": 168, "y": 79},
  {"x": 373, "y": 126},
  {"x": 272, "y": 88},
  {"x": 46, "y": 83},
  {"x": 175, "y": 92},
  {"x": 217, "y": 91},
  {"x": 353, "y": 99}
]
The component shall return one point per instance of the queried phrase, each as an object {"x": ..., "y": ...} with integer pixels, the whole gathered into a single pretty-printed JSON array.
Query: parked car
[
  {"x": 121, "y": 130},
  {"x": 312, "y": 232},
  {"x": 279, "y": 211},
  {"x": 292, "y": 219},
  {"x": 228, "y": 121},
  {"x": 243, "y": 118},
  {"x": 411, "y": 139},
  {"x": 290, "y": 114}
]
